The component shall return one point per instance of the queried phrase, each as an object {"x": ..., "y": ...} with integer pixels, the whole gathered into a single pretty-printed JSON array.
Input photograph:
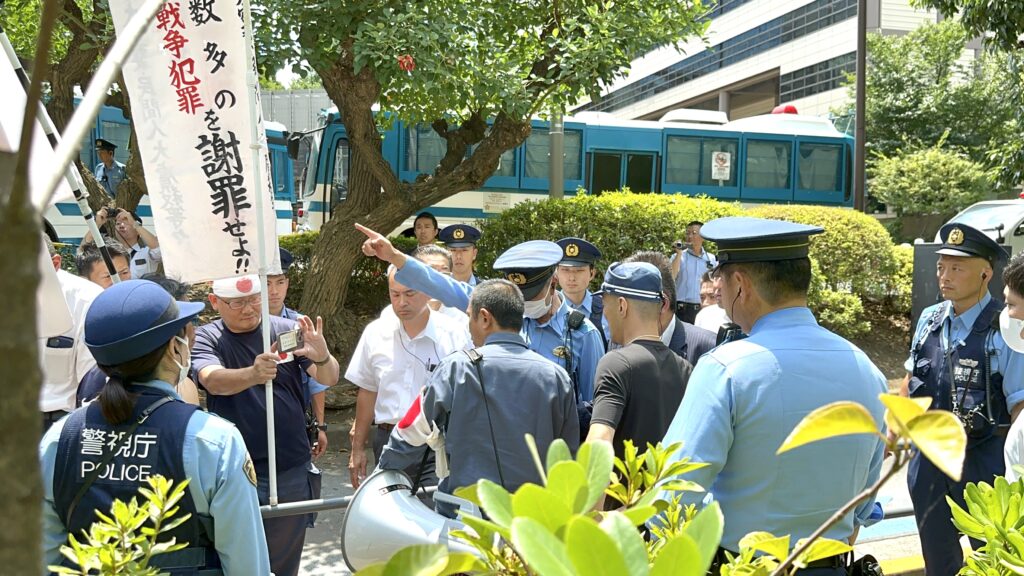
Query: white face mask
[
  {"x": 536, "y": 308},
  {"x": 183, "y": 368}
]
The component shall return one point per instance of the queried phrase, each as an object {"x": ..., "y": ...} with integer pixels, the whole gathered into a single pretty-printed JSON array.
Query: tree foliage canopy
[
  {"x": 475, "y": 57},
  {"x": 1002, "y": 20},
  {"x": 921, "y": 89},
  {"x": 932, "y": 180}
]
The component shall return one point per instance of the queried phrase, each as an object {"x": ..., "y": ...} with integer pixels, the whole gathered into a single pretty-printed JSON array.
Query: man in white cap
[{"x": 229, "y": 359}]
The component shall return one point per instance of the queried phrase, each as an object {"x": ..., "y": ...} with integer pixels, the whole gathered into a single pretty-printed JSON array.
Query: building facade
[{"x": 759, "y": 54}]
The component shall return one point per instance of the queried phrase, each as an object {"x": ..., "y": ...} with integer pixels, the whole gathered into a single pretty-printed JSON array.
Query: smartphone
[{"x": 289, "y": 341}]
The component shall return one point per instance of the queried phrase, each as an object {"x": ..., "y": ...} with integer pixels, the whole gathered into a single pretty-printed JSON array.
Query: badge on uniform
[
  {"x": 249, "y": 469},
  {"x": 560, "y": 352}
]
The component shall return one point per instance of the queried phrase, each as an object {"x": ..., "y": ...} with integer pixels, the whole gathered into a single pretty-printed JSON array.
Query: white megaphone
[
  {"x": 384, "y": 516},
  {"x": 1012, "y": 331}
]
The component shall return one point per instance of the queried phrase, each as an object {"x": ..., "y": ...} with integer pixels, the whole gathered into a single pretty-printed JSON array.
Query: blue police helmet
[{"x": 132, "y": 318}]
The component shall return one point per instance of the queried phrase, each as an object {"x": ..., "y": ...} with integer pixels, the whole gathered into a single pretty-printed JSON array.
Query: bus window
[
  {"x": 339, "y": 174},
  {"x": 819, "y": 167},
  {"x": 640, "y": 172},
  {"x": 683, "y": 160},
  {"x": 708, "y": 147},
  {"x": 538, "y": 149},
  {"x": 606, "y": 172},
  {"x": 425, "y": 149},
  {"x": 117, "y": 133},
  {"x": 768, "y": 164},
  {"x": 507, "y": 164}
]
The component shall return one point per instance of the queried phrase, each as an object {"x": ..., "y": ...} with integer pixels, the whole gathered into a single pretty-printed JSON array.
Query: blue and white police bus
[
  {"x": 112, "y": 125},
  {"x": 774, "y": 158}
]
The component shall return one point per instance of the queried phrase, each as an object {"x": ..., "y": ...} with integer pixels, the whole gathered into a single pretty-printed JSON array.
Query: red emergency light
[{"x": 784, "y": 109}]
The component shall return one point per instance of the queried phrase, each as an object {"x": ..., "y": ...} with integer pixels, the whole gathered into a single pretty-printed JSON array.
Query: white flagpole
[
  {"x": 250, "y": 80},
  {"x": 96, "y": 94}
]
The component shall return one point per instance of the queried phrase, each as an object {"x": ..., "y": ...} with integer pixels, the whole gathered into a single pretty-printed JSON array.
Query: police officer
[
  {"x": 577, "y": 346},
  {"x": 461, "y": 241},
  {"x": 477, "y": 402},
  {"x": 745, "y": 397},
  {"x": 575, "y": 272},
  {"x": 138, "y": 428},
  {"x": 960, "y": 361},
  {"x": 109, "y": 172},
  {"x": 573, "y": 342}
]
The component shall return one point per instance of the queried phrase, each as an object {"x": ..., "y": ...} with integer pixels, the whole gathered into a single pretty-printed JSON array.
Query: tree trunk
[
  {"x": 98, "y": 196},
  {"x": 20, "y": 380},
  {"x": 133, "y": 187}
]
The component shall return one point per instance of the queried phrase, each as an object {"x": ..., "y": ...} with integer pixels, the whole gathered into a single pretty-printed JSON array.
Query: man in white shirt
[
  {"x": 65, "y": 358},
  {"x": 711, "y": 315},
  {"x": 390, "y": 365},
  {"x": 1011, "y": 325}
]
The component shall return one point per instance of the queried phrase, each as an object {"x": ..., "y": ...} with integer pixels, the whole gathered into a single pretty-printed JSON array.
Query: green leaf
[
  {"x": 637, "y": 515},
  {"x": 568, "y": 481},
  {"x": 940, "y": 437},
  {"x": 540, "y": 548},
  {"x": 706, "y": 530},
  {"x": 964, "y": 521},
  {"x": 558, "y": 451},
  {"x": 679, "y": 557},
  {"x": 496, "y": 502},
  {"x": 901, "y": 410},
  {"x": 829, "y": 421},
  {"x": 532, "y": 501},
  {"x": 592, "y": 551},
  {"x": 469, "y": 493},
  {"x": 630, "y": 544},
  {"x": 775, "y": 546},
  {"x": 597, "y": 458},
  {"x": 822, "y": 548}
]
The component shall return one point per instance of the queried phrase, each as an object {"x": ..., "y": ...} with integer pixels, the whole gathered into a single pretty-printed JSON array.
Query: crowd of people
[{"x": 718, "y": 351}]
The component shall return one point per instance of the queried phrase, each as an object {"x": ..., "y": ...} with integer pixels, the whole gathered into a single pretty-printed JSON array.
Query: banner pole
[
  {"x": 72, "y": 176},
  {"x": 96, "y": 94},
  {"x": 250, "y": 80}
]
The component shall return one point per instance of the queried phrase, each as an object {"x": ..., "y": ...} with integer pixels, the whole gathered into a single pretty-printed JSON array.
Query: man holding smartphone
[
  {"x": 689, "y": 263},
  {"x": 229, "y": 360}
]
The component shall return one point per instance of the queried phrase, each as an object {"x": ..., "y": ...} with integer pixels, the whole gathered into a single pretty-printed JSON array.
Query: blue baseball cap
[
  {"x": 529, "y": 265},
  {"x": 633, "y": 280},
  {"x": 742, "y": 239},
  {"x": 966, "y": 241},
  {"x": 459, "y": 236},
  {"x": 132, "y": 318},
  {"x": 578, "y": 252}
]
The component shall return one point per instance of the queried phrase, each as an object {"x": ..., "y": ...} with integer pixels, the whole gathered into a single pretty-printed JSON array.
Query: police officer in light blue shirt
[
  {"x": 959, "y": 359},
  {"x": 550, "y": 329},
  {"x": 109, "y": 172},
  {"x": 139, "y": 428},
  {"x": 745, "y": 397},
  {"x": 574, "y": 273},
  {"x": 461, "y": 239}
]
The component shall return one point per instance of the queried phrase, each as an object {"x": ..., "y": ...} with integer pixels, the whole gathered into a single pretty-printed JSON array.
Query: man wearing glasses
[
  {"x": 229, "y": 359},
  {"x": 689, "y": 264}
]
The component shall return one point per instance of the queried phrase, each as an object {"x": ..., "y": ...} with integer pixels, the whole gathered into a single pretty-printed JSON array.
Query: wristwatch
[
  {"x": 324, "y": 361},
  {"x": 321, "y": 426}
]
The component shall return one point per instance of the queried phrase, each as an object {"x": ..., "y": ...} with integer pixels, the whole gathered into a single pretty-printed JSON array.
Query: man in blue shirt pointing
[{"x": 745, "y": 397}]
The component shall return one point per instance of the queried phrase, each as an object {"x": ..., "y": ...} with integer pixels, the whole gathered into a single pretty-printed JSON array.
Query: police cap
[
  {"x": 132, "y": 318},
  {"x": 107, "y": 145},
  {"x": 633, "y": 280},
  {"x": 286, "y": 260},
  {"x": 578, "y": 252},
  {"x": 459, "y": 236},
  {"x": 742, "y": 239},
  {"x": 962, "y": 240},
  {"x": 529, "y": 265}
]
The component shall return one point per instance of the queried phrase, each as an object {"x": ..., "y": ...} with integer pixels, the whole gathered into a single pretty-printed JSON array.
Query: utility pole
[
  {"x": 859, "y": 180},
  {"x": 556, "y": 141}
]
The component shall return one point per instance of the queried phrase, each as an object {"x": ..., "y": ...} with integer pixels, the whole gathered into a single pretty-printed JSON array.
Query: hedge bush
[
  {"x": 367, "y": 293},
  {"x": 618, "y": 223}
]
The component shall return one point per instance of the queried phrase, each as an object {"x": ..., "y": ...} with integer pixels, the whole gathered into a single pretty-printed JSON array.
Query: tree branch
[{"x": 472, "y": 131}]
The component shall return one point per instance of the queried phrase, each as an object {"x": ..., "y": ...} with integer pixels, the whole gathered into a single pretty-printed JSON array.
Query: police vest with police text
[
  {"x": 962, "y": 380},
  {"x": 155, "y": 447}
]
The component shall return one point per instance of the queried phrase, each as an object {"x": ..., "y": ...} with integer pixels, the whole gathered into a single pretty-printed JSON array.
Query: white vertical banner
[{"x": 191, "y": 110}]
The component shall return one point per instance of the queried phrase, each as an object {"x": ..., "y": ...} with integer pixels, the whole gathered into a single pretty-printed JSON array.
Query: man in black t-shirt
[{"x": 639, "y": 386}]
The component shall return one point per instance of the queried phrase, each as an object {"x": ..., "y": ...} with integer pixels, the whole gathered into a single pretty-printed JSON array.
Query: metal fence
[{"x": 296, "y": 109}]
